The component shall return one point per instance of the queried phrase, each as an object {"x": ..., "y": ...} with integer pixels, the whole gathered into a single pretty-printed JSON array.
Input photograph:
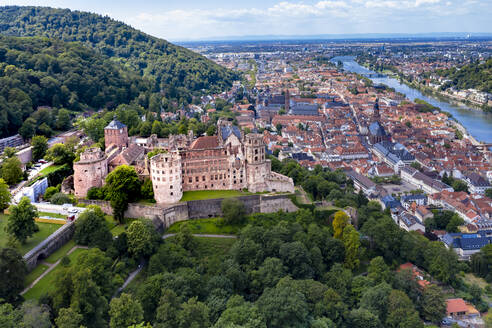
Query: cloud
[{"x": 296, "y": 17}]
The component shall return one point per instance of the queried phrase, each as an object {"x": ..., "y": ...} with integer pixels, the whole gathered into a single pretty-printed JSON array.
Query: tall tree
[
  {"x": 13, "y": 272},
  {"x": 124, "y": 311},
  {"x": 141, "y": 239},
  {"x": 433, "y": 305},
  {"x": 123, "y": 187},
  {"x": 39, "y": 147},
  {"x": 21, "y": 223},
  {"x": 351, "y": 241},
  {"x": 12, "y": 170},
  {"x": 340, "y": 221},
  {"x": 5, "y": 195}
]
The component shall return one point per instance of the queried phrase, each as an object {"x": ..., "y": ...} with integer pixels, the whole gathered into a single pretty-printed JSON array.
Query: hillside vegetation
[
  {"x": 175, "y": 70},
  {"x": 41, "y": 72},
  {"x": 471, "y": 76}
]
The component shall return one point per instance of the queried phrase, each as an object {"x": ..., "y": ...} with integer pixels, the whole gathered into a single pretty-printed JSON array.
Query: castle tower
[
  {"x": 116, "y": 133},
  {"x": 90, "y": 171},
  {"x": 257, "y": 167},
  {"x": 375, "y": 111},
  {"x": 165, "y": 173},
  {"x": 287, "y": 100}
]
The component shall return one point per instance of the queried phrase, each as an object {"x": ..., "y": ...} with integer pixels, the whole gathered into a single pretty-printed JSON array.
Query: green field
[
  {"x": 34, "y": 274},
  {"x": 52, "y": 215},
  {"x": 59, "y": 253},
  {"x": 44, "y": 285},
  {"x": 45, "y": 229},
  {"x": 49, "y": 169},
  {"x": 206, "y": 226},
  {"x": 212, "y": 194}
]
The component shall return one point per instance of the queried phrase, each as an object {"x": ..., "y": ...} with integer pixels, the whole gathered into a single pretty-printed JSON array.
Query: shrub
[
  {"x": 60, "y": 198},
  {"x": 50, "y": 191}
]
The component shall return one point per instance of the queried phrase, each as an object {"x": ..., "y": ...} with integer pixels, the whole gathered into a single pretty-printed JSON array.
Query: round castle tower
[
  {"x": 165, "y": 172},
  {"x": 90, "y": 171}
]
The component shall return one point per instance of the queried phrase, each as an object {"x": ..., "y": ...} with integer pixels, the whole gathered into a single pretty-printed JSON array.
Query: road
[{"x": 167, "y": 235}]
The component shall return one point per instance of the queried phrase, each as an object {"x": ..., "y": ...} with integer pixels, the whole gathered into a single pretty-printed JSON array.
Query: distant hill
[
  {"x": 471, "y": 76},
  {"x": 175, "y": 70},
  {"x": 52, "y": 74}
]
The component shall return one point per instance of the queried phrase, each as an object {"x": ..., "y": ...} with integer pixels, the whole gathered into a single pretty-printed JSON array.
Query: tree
[
  {"x": 268, "y": 274},
  {"x": 283, "y": 306},
  {"x": 34, "y": 315},
  {"x": 378, "y": 271},
  {"x": 375, "y": 299},
  {"x": 91, "y": 230},
  {"x": 454, "y": 223},
  {"x": 123, "y": 186},
  {"x": 124, "y": 311},
  {"x": 21, "y": 223},
  {"x": 193, "y": 314},
  {"x": 5, "y": 195},
  {"x": 63, "y": 119},
  {"x": 488, "y": 193},
  {"x": 459, "y": 185},
  {"x": 60, "y": 198},
  {"x": 362, "y": 318},
  {"x": 240, "y": 313},
  {"x": 401, "y": 312},
  {"x": 339, "y": 222},
  {"x": 87, "y": 299},
  {"x": 68, "y": 318},
  {"x": 351, "y": 241},
  {"x": 432, "y": 306},
  {"x": 233, "y": 211},
  {"x": 168, "y": 309},
  {"x": 141, "y": 240},
  {"x": 211, "y": 130},
  {"x": 13, "y": 272},
  {"x": 295, "y": 257},
  {"x": 12, "y": 171},
  {"x": 39, "y": 147},
  {"x": 61, "y": 154}
]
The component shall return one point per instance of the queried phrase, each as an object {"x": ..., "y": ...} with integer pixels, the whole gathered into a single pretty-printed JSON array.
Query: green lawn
[
  {"x": 206, "y": 226},
  {"x": 52, "y": 215},
  {"x": 59, "y": 253},
  {"x": 44, "y": 285},
  {"x": 34, "y": 274},
  {"x": 212, "y": 194},
  {"x": 45, "y": 229},
  {"x": 49, "y": 169}
]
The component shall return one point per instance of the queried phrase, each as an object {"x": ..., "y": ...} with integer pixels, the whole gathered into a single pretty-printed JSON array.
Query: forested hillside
[
  {"x": 471, "y": 76},
  {"x": 177, "y": 71},
  {"x": 52, "y": 74}
]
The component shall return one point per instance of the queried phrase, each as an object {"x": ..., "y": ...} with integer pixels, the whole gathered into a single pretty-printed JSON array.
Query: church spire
[{"x": 375, "y": 112}]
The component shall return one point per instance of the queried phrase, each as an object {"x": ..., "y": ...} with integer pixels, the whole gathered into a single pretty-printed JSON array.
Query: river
[{"x": 475, "y": 121}]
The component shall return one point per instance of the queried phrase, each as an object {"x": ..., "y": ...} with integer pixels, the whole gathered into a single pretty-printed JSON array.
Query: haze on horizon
[{"x": 212, "y": 19}]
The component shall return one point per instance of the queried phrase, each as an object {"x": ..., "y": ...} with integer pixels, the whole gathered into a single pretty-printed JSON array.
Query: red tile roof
[
  {"x": 455, "y": 305},
  {"x": 205, "y": 142}
]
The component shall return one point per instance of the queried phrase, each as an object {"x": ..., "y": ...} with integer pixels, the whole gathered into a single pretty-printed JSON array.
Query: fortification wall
[
  {"x": 197, "y": 209},
  {"x": 48, "y": 246}
]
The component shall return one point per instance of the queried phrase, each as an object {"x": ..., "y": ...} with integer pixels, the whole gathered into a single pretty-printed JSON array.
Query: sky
[{"x": 211, "y": 19}]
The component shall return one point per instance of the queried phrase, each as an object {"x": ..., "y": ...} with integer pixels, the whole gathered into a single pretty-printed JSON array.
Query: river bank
[{"x": 477, "y": 123}]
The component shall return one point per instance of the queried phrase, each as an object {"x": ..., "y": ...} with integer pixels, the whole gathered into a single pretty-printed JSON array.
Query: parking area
[{"x": 402, "y": 188}]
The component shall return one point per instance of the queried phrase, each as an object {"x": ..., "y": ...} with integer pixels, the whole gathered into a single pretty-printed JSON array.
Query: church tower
[{"x": 375, "y": 111}]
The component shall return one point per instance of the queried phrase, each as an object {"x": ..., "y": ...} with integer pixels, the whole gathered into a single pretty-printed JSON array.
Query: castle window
[
  {"x": 171, "y": 187},
  {"x": 241, "y": 181},
  {"x": 203, "y": 178},
  {"x": 196, "y": 179},
  {"x": 256, "y": 151},
  {"x": 190, "y": 180},
  {"x": 256, "y": 158},
  {"x": 171, "y": 193}
]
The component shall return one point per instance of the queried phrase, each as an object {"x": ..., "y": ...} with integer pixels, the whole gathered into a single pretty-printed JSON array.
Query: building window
[
  {"x": 171, "y": 193},
  {"x": 203, "y": 178},
  {"x": 171, "y": 187}
]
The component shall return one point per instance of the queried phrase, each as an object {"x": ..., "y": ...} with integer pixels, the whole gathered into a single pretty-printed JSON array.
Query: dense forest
[
  {"x": 175, "y": 70},
  {"x": 43, "y": 81},
  {"x": 472, "y": 76}
]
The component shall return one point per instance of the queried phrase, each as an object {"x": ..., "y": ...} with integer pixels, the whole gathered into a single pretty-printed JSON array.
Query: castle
[{"x": 226, "y": 161}]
